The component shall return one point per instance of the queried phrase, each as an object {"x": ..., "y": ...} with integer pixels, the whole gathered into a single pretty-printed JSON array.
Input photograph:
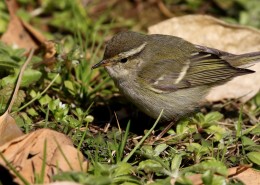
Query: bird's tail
[{"x": 243, "y": 60}]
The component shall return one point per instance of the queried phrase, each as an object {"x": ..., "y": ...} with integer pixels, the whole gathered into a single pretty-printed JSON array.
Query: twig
[
  {"x": 14, "y": 95},
  {"x": 118, "y": 124}
]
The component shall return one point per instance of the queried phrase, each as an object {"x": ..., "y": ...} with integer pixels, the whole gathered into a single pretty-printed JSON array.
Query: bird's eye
[{"x": 123, "y": 60}]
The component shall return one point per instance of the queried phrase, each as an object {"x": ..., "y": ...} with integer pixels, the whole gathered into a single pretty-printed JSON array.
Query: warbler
[{"x": 158, "y": 72}]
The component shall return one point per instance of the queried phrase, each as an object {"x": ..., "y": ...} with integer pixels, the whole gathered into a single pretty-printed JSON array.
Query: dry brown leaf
[
  {"x": 38, "y": 36},
  {"x": 50, "y": 49},
  {"x": 196, "y": 179},
  {"x": 19, "y": 33},
  {"x": 245, "y": 174},
  {"x": 211, "y": 32},
  {"x": 16, "y": 34},
  {"x": 49, "y": 58},
  {"x": 26, "y": 154},
  {"x": 8, "y": 128},
  {"x": 248, "y": 176}
]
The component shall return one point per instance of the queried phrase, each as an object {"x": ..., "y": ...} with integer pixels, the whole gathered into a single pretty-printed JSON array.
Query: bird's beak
[{"x": 101, "y": 63}]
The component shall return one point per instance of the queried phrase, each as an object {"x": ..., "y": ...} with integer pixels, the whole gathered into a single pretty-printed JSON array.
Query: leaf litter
[{"x": 42, "y": 149}]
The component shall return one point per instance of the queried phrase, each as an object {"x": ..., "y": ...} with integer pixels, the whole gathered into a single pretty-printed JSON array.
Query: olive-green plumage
[{"x": 158, "y": 72}]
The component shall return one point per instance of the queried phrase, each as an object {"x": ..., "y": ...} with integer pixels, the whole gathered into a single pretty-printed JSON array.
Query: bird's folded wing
[{"x": 200, "y": 68}]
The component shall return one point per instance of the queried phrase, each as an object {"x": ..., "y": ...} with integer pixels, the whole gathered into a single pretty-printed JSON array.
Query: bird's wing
[
  {"x": 242, "y": 60},
  {"x": 201, "y": 68},
  {"x": 213, "y": 51}
]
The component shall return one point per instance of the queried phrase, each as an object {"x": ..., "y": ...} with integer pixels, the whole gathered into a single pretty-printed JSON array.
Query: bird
[{"x": 162, "y": 72}]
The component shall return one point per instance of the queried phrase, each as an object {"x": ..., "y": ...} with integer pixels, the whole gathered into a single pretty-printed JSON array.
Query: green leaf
[
  {"x": 218, "y": 132},
  {"x": 160, "y": 148},
  {"x": 33, "y": 94},
  {"x": 8, "y": 80},
  {"x": 98, "y": 180},
  {"x": 196, "y": 147},
  {"x": 210, "y": 179},
  {"x": 255, "y": 148},
  {"x": 254, "y": 157},
  {"x": 183, "y": 181},
  {"x": 207, "y": 177},
  {"x": 175, "y": 165},
  {"x": 70, "y": 87},
  {"x": 207, "y": 120},
  {"x": 256, "y": 131},
  {"x": 32, "y": 112},
  {"x": 122, "y": 168},
  {"x": 247, "y": 141},
  {"x": 150, "y": 165},
  {"x": 212, "y": 117},
  {"x": 166, "y": 181},
  {"x": 30, "y": 76},
  {"x": 216, "y": 167},
  {"x": 45, "y": 100},
  {"x": 53, "y": 75},
  {"x": 181, "y": 127},
  {"x": 218, "y": 180},
  {"x": 148, "y": 150},
  {"x": 73, "y": 123}
]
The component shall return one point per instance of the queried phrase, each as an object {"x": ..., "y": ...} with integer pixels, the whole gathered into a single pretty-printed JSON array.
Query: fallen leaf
[
  {"x": 212, "y": 32},
  {"x": 245, "y": 174},
  {"x": 20, "y": 34},
  {"x": 248, "y": 176},
  {"x": 8, "y": 128},
  {"x": 49, "y": 58},
  {"x": 38, "y": 36},
  {"x": 26, "y": 154},
  {"x": 16, "y": 35}
]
